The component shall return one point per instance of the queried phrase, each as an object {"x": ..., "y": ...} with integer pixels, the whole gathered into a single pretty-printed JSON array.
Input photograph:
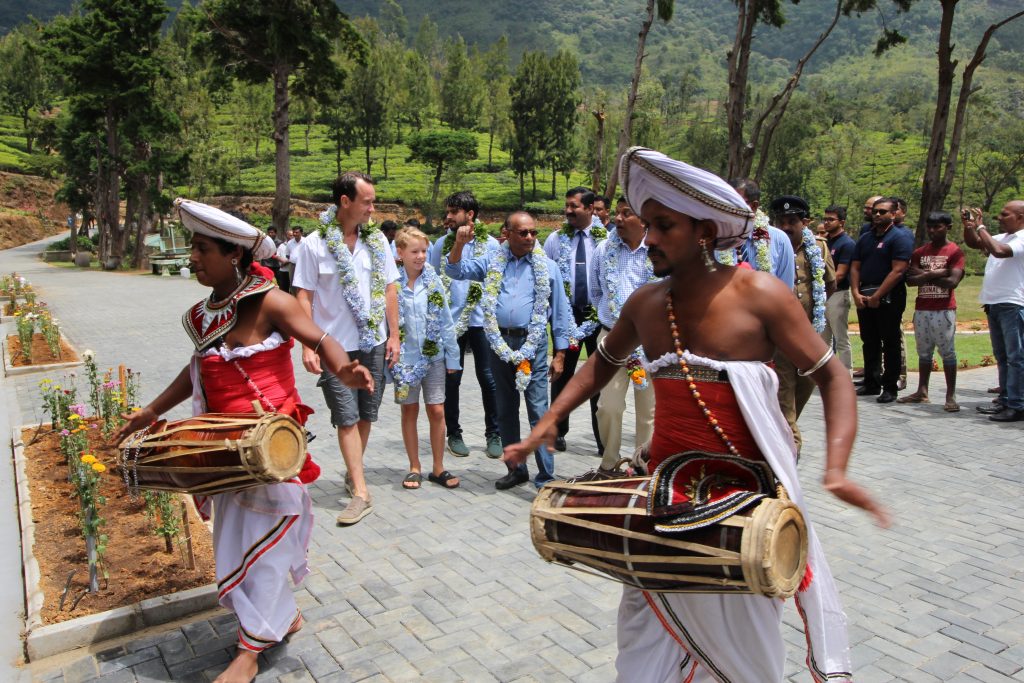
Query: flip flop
[
  {"x": 913, "y": 398},
  {"x": 951, "y": 407},
  {"x": 412, "y": 481},
  {"x": 444, "y": 479}
]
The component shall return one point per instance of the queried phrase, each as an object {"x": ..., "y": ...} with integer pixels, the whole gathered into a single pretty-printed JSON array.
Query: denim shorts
[
  {"x": 349, "y": 406},
  {"x": 433, "y": 386}
]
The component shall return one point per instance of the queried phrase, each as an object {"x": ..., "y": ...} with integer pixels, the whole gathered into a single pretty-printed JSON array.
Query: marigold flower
[
  {"x": 99, "y": 467},
  {"x": 88, "y": 459},
  {"x": 524, "y": 367}
]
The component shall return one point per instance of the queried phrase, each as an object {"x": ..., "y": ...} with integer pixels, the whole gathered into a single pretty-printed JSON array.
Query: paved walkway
[{"x": 445, "y": 586}]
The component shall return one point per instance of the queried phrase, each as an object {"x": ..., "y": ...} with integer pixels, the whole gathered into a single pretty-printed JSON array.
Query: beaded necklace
[{"x": 710, "y": 416}]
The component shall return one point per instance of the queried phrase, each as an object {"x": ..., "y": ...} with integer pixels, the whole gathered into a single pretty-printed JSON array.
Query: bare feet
[{"x": 243, "y": 668}]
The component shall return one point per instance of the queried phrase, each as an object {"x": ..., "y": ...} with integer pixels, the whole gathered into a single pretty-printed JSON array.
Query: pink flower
[
  {"x": 65, "y": 432},
  {"x": 78, "y": 408}
]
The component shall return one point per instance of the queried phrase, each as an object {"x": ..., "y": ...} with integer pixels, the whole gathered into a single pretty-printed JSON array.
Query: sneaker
[
  {"x": 356, "y": 509},
  {"x": 494, "y": 447},
  {"x": 457, "y": 447}
]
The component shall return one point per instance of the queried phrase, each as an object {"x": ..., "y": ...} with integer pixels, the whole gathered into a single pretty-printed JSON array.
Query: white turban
[
  {"x": 646, "y": 174},
  {"x": 212, "y": 222}
]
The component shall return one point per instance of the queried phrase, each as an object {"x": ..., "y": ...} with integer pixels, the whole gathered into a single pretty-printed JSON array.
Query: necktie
[{"x": 579, "y": 294}]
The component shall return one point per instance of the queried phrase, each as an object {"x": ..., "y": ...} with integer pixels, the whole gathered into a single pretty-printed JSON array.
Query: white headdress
[
  {"x": 647, "y": 174},
  {"x": 212, "y": 222}
]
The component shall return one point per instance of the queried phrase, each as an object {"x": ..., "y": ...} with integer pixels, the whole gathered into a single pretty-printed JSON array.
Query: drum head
[
  {"x": 277, "y": 448},
  {"x": 775, "y": 549}
]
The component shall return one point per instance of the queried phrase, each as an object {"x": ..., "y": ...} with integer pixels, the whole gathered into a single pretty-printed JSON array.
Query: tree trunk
[
  {"x": 554, "y": 177},
  {"x": 109, "y": 182},
  {"x": 626, "y": 133},
  {"x": 738, "y": 164},
  {"x": 777, "y": 107},
  {"x": 369, "y": 167},
  {"x": 522, "y": 190},
  {"x": 595, "y": 179},
  {"x": 533, "y": 175},
  {"x": 282, "y": 164},
  {"x": 935, "y": 188},
  {"x": 309, "y": 124},
  {"x": 433, "y": 196},
  {"x": 28, "y": 134},
  {"x": 337, "y": 154},
  {"x": 385, "y": 162},
  {"x": 490, "y": 146}
]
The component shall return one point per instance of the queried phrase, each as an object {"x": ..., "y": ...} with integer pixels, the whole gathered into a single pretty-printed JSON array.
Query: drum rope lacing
[
  {"x": 263, "y": 399},
  {"x": 130, "y": 472},
  {"x": 710, "y": 416}
]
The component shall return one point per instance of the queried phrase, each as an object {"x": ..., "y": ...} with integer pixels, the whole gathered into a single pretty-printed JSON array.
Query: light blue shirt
[
  {"x": 515, "y": 300},
  {"x": 553, "y": 248},
  {"x": 632, "y": 275},
  {"x": 780, "y": 251},
  {"x": 460, "y": 288},
  {"x": 413, "y": 304}
]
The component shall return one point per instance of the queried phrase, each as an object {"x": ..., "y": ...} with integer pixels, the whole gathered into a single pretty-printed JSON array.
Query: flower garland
[
  {"x": 476, "y": 290},
  {"x": 762, "y": 246},
  {"x": 408, "y": 375},
  {"x": 537, "y": 330},
  {"x": 590, "y": 322},
  {"x": 368, "y": 321},
  {"x": 813, "y": 255},
  {"x": 636, "y": 360}
]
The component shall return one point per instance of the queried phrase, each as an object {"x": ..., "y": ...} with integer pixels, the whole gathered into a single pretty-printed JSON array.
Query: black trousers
[
  {"x": 881, "y": 336},
  {"x": 571, "y": 358}
]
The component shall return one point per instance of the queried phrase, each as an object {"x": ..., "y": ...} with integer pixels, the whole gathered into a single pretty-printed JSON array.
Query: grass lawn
[{"x": 973, "y": 349}]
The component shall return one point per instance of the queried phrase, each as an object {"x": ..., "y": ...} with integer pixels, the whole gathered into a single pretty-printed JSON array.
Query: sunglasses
[
  {"x": 527, "y": 233},
  {"x": 879, "y": 212}
]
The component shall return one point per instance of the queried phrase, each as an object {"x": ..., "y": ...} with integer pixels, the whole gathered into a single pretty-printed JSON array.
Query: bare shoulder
[{"x": 644, "y": 297}]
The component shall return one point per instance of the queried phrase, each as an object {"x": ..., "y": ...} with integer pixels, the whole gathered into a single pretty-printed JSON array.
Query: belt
[{"x": 513, "y": 331}]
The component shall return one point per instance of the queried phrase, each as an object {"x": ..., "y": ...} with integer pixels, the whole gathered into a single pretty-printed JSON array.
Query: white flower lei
[
  {"x": 762, "y": 248},
  {"x": 475, "y": 291},
  {"x": 537, "y": 330},
  {"x": 615, "y": 302},
  {"x": 408, "y": 375},
  {"x": 368, "y": 321},
  {"x": 813, "y": 255},
  {"x": 590, "y": 322}
]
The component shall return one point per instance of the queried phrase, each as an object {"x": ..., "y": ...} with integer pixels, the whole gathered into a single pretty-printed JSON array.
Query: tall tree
[
  {"x": 25, "y": 87},
  {"x": 563, "y": 103},
  {"x": 528, "y": 92},
  {"x": 370, "y": 91},
  {"x": 441, "y": 150},
  {"x": 417, "y": 91},
  {"x": 282, "y": 41},
  {"x": 115, "y": 122},
  {"x": 665, "y": 8},
  {"x": 461, "y": 103},
  {"x": 941, "y": 163},
  {"x": 496, "y": 102},
  {"x": 742, "y": 148}
]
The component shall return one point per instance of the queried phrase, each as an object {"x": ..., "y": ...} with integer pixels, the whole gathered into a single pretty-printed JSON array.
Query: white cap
[
  {"x": 647, "y": 174},
  {"x": 212, "y": 222}
]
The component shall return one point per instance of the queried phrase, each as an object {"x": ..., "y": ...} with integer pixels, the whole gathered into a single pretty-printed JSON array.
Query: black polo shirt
[
  {"x": 876, "y": 254},
  {"x": 842, "y": 248}
]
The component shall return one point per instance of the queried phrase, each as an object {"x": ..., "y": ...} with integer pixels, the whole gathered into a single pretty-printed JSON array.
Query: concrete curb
[
  {"x": 10, "y": 370},
  {"x": 45, "y": 641}
]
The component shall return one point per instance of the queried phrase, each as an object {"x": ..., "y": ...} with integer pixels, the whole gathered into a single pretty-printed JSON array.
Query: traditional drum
[
  {"x": 214, "y": 453},
  {"x": 605, "y": 526}
]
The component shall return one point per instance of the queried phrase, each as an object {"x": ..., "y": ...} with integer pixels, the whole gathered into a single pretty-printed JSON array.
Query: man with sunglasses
[
  {"x": 880, "y": 295},
  {"x": 518, "y": 269}
]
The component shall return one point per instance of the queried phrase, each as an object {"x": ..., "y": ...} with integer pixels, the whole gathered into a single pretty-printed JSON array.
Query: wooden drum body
[
  {"x": 604, "y": 525},
  {"x": 214, "y": 453}
]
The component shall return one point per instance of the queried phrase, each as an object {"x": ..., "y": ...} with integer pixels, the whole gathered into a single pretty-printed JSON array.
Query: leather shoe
[
  {"x": 513, "y": 478},
  {"x": 560, "y": 443},
  {"x": 991, "y": 409},
  {"x": 1008, "y": 415},
  {"x": 868, "y": 391},
  {"x": 886, "y": 397}
]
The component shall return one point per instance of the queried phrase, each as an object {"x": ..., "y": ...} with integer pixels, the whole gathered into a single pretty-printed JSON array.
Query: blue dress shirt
[
  {"x": 460, "y": 288},
  {"x": 515, "y": 300},
  {"x": 413, "y": 304}
]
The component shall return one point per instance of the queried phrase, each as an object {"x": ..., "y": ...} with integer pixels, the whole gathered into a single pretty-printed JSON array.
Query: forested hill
[{"x": 603, "y": 32}]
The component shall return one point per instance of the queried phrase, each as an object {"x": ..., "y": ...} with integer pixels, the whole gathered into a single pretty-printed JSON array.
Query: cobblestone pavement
[{"x": 442, "y": 585}]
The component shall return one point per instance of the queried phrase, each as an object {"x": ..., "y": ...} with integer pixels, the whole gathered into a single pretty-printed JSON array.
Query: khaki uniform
[{"x": 794, "y": 390}]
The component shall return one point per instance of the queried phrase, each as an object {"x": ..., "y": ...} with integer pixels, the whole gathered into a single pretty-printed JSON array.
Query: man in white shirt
[
  {"x": 346, "y": 279},
  {"x": 1002, "y": 295},
  {"x": 286, "y": 252}
]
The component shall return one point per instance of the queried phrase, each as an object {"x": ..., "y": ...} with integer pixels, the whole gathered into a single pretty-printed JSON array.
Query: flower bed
[{"x": 136, "y": 561}]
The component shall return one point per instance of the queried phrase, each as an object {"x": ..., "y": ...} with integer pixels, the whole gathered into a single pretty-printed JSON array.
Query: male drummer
[{"x": 714, "y": 393}]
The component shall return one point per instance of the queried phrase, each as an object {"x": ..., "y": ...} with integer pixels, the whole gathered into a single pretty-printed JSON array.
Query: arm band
[
  {"x": 817, "y": 366},
  {"x": 317, "y": 347},
  {"x": 603, "y": 352}
]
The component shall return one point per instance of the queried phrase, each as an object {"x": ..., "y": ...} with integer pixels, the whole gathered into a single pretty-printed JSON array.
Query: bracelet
[
  {"x": 603, "y": 352},
  {"x": 817, "y": 366},
  {"x": 317, "y": 347}
]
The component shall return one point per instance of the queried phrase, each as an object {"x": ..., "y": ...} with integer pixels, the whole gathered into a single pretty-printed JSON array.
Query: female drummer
[{"x": 243, "y": 335}]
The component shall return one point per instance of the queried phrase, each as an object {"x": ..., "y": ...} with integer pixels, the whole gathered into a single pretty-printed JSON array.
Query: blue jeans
[
  {"x": 1006, "y": 328},
  {"x": 476, "y": 339},
  {"x": 536, "y": 395}
]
